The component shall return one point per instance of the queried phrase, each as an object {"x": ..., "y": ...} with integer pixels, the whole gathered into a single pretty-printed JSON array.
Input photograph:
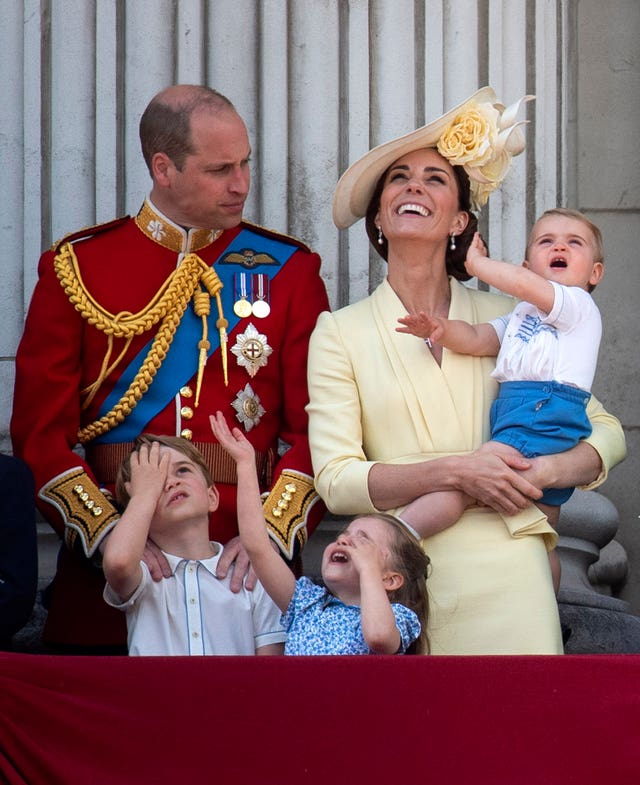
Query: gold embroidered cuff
[
  {"x": 85, "y": 510},
  {"x": 286, "y": 509}
]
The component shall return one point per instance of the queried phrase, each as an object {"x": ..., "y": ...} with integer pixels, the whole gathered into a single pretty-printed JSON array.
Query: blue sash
[{"x": 181, "y": 362}]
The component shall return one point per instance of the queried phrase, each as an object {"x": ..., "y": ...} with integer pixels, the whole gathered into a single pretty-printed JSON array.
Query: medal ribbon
[{"x": 181, "y": 362}]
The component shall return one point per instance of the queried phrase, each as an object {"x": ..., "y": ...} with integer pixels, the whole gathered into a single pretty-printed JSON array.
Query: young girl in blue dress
[{"x": 374, "y": 598}]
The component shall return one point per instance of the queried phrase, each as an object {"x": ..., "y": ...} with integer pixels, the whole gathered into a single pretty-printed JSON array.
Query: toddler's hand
[
  {"x": 233, "y": 441},
  {"x": 477, "y": 250},
  {"x": 421, "y": 325}
]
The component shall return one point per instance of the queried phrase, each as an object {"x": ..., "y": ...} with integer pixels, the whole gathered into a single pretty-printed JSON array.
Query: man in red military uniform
[{"x": 151, "y": 324}]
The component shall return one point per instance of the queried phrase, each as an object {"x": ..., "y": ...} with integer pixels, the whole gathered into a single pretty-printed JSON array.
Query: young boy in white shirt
[{"x": 167, "y": 493}]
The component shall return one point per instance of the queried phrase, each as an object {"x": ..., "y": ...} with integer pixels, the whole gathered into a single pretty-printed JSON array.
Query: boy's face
[
  {"x": 186, "y": 495},
  {"x": 562, "y": 249}
]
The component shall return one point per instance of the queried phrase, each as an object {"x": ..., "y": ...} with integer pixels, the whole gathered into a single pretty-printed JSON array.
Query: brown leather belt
[{"x": 105, "y": 460}]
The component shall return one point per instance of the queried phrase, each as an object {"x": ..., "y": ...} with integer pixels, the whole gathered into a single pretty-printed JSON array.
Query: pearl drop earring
[
  {"x": 380, "y": 236},
  {"x": 452, "y": 242}
]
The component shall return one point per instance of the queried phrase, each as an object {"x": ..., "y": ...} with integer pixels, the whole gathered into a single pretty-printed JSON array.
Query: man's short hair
[{"x": 165, "y": 125}]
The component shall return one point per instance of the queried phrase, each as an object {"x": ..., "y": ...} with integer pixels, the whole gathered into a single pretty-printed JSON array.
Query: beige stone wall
[{"x": 607, "y": 187}]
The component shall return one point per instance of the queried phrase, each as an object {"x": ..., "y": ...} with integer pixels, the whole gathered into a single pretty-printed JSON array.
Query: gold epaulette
[
  {"x": 89, "y": 231},
  {"x": 286, "y": 509},
  {"x": 85, "y": 510},
  {"x": 275, "y": 235}
]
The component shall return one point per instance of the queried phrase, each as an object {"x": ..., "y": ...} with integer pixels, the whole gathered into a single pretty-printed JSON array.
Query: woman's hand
[{"x": 496, "y": 477}]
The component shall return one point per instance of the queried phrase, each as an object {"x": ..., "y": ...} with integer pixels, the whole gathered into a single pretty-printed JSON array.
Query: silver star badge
[
  {"x": 251, "y": 349},
  {"x": 248, "y": 408}
]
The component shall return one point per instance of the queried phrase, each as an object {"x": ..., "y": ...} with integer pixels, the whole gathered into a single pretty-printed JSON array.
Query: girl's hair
[
  {"x": 454, "y": 258},
  {"x": 175, "y": 443},
  {"x": 566, "y": 212},
  {"x": 410, "y": 560}
]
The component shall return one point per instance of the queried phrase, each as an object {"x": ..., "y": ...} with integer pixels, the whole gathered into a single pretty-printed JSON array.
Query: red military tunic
[{"x": 93, "y": 318}]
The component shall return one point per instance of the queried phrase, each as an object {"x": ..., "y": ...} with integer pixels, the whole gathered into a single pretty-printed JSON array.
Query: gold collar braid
[{"x": 193, "y": 278}]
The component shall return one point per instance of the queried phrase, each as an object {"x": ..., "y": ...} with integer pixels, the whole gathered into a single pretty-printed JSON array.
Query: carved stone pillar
[{"x": 594, "y": 565}]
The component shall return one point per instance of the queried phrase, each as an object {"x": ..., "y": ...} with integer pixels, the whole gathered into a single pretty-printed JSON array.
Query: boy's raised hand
[
  {"x": 149, "y": 469},
  {"x": 233, "y": 440}
]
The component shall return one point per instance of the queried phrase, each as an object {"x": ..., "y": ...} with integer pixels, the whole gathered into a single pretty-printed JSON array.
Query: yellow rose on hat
[
  {"x": 471, "y": 137},
  {"x": 480, "y": 134},
  {"x": 483, "y": 139}
]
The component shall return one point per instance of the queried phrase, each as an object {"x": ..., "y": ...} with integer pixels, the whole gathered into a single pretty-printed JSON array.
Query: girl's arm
[
  {"x": 516, "y": 281},
  {"x": 379, "y": 626},
  {"x": 277, "y": 579},
  {"x": 126, "y": 543}
]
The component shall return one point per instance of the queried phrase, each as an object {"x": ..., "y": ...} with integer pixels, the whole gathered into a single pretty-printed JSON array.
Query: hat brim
[{"x": 356, "y": 186}]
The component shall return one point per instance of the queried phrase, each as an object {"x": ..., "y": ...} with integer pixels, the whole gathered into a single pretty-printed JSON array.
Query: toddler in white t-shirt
[{"x": 547, "y": 350}]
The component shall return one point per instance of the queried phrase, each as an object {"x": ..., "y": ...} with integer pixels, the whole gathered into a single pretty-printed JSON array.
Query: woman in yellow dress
[{"x": 392, "y": 418}]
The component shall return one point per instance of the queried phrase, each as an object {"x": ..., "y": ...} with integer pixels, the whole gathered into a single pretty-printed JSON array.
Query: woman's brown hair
[{"x": 455, "y": 258}]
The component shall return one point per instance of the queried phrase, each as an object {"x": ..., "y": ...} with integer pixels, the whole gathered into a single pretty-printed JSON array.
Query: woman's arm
[{"x": 496, "y": 481}]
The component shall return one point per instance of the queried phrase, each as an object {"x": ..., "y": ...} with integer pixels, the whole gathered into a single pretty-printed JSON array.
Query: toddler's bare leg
[
  {"x": 553, "y": 514},
  {"x": 433, "y": 512}
]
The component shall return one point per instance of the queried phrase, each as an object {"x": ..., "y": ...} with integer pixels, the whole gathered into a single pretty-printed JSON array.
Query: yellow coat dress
[{"x": 377, "y": 395}]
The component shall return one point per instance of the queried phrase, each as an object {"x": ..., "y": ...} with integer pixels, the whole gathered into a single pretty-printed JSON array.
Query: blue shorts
[{"x": 541, "y": 418}]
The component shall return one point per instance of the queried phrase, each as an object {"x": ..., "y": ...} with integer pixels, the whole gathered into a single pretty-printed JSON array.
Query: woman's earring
[
  {"x": 380, "y": 236},
  {"x": 452, "y": 242}
]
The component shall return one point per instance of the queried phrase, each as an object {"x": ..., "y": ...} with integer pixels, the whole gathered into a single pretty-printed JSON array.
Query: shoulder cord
[{"x": 168, "y": 304}]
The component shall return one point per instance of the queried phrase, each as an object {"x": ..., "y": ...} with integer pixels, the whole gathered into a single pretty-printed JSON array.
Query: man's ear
[{"x": 161, "y": 166}]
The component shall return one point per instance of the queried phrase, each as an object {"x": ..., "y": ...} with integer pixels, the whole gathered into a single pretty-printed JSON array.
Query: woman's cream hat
[{"x": 480, "y": 135}]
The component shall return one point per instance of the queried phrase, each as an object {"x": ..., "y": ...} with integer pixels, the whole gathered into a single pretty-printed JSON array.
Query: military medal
[
  {"x": 248, "y": 408},
  {"x": 241, "y": 306},
  {"x": 260, "y": 291},
  {"x": 251, "y": 349}
]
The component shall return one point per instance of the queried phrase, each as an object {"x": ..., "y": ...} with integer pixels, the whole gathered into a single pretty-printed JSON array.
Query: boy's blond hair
[
  {"x": 567, "y": 212},
  {"x": 175, "y": 443}
]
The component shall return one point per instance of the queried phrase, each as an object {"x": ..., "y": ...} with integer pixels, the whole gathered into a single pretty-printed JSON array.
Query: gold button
[
  {"x": 186, "y": 392},
  {"x": 187, "y": 434},
  {"x": 186, "y": 412}
]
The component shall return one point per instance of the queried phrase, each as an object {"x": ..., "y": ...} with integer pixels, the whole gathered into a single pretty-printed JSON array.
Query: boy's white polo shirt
[{"x": 193, "y": 612}]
